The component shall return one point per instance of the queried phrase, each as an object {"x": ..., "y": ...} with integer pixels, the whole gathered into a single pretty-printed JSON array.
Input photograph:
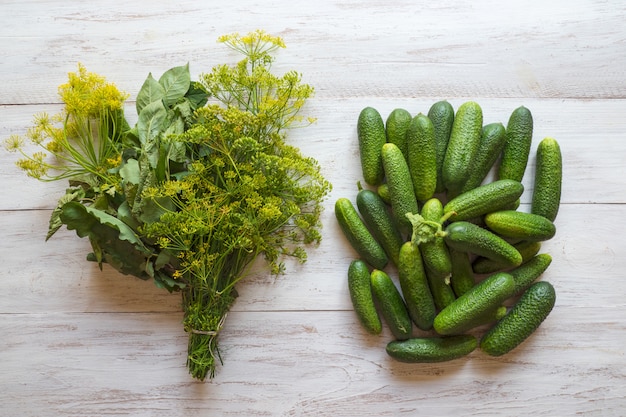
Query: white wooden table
[{"x": 75, "y": 341}]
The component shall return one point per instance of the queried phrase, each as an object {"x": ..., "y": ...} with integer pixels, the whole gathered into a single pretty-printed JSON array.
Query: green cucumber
[
  {"x": 441, "y": 114},
  {"x": 491, "y": 144},
  {"x": 357, "y": 234},
  {"x": 462, "y": 146},
  {"x": 435, "y": 252},
  {"x": 483, "y": 265},
  {"x": 415, "y": 287},
  {"x": 392, "y": 306},
  {"x": 440, "y": 288},
  {"x": 371, "y": 136},
  {"x": 482, "y": 200},
  {"x": 396, "y": 126},
  {"x": 422, "y": 156},
  {"x": 521, "y": 321},
  {"x": 432, "y": 349},
  {"x": 383, "y": 192},
  {"x": 468, "y": 237},
  {"x": 462, "y": 279},
  {"x": 548, "y": 176},
  {"x": 519, "y": 133},
  {"x": 360, "y": 288},
  {"x": 468, "y": 311},
  {"x": 378, "y": 219},
  {"x": 401, "y": 192},
  {"x": 520, "y": 225},
  {"x": 525, "y": 274}
]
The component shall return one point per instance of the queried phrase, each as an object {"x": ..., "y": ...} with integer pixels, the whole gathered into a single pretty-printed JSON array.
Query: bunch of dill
[{"x": 201, "y": 186}]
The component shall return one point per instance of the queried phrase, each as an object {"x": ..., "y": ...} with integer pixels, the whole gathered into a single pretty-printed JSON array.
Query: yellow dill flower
[
  {"x": 13, "y": 143},
  {"x": 88, "y": 94}
]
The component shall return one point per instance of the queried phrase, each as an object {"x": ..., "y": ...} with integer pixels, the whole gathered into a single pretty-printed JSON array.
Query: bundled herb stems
[{"x": 202, "y": 185}]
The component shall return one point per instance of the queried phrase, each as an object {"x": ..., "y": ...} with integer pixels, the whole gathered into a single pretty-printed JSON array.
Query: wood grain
[{"x": 78, "y": 341}]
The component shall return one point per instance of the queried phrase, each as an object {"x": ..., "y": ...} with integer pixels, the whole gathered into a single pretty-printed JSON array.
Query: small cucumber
[
  {"x": 378, "y": 219},
  {"x": 432, "y": 349},
  {"x": 401, "y": 192},
  {"x": 468, "y": 237},
  {"x": 441, "y": 114},
  {"x": 462, "y": 279},
  {"x": 519, "y": 133},
  {"x": 360, "y": 288},
  {"x": 435, "y": 252},
  {"x": 482, "y": 200},
  {"x": 396, "y": 126},
  {"x": 440, "y": 288},
  {"x": 520, "y": 225},
  {"x": 391, "y": 304},
  {"x": 422, "y": 156},
  {"x": 548, "y": 177},
  {"x": 490, "y": 148},
  {"x": 462, "y": 146},
  {"x": 487, "y": 266},
  {"x": 383, "y": 192},
  {"x": 468, "y": 311},
  {"x": 371, "y": 136},
  {"x": 521, "y": 321},
  {"x": 360, "y": 238},
  {"x": 415, "y": 288},
  {"x": 525, "y": 274}
]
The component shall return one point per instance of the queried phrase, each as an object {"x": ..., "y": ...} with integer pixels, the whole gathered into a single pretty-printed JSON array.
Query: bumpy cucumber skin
[
  {"x": 435, "y": 252},
  {"x": 359, "y": 286},
  {"x": 525, "y": 274},
  {"x": 383, "y": 192},
  {"x": 371, "y": 136},
  {"x": 401, "y": 192},
  {"x": 524, "y": 318},
  {"x": 422, "y": 156},
  {"x": 378, "y": 219},
  {"x": 462, "y": 145},
  {"x": 462, "y": 279},
  {"x": 360, "y": 238},
  {"x": 519, "y": 133},
  {"x": 487, "y": 266},
  {"x": 432, "y": 349},
  {"x": 396, "y": 126},
  {"x": 548, "y": 177},
  {"x": 441, "y": 114},
  {"x": 392, "y": 306},
  {"x": 468, "y": 237},
  {"x": 468, "y": 311},
  {"x": 520, "y": 225},
  {"x": 415, "y": 288},
  {"x": 442, "y": 292},
  {"x": 491, "y": 143},
  {"x": 483, "y": 199}
]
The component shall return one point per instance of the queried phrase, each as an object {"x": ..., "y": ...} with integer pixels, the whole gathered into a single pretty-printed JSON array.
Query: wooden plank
[
  {"x": 347, "y": 49},
  {"x": 306, "y": 363}
]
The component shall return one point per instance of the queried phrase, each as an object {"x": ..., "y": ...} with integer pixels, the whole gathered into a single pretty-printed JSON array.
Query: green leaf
[
  {"x": 150, "y": 92},
  {"x": 196, "y": 95},
  {"x": 82, "y": 219},
  {"x": 423, "y": 230},
  {"x": 175, "y": 83},
  {"x": 112, "y": 240},
  {"x": 153, "y": 208},
  {"x": 151, "y": 122},
  {"x": 71, "y": 194},
  {"x": 130, "y": 172}
]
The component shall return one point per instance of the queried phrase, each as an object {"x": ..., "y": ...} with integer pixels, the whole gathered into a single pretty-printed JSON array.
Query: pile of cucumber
[{"x": 441, "y": 210}]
